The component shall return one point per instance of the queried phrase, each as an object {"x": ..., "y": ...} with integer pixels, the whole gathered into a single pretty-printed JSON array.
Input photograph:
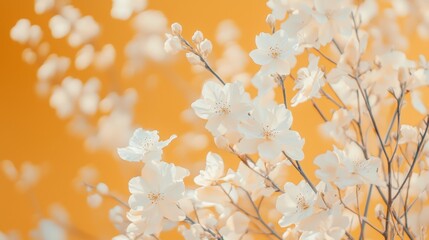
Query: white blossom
[
  {"x": 144, "y": 146},
  {"x": 309, "y": 82},
  {"x": 223, "y": 106},
  {"x": 268, "y": 133},
  {"x": 123, "y": 9},
  {"x": 275, "y": 53},
  {"x": 296, "y": 203},
  {"x": 155, "y": 194}
]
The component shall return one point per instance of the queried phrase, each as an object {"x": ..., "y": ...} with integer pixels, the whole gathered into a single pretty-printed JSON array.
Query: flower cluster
[{"x": 373, "y": 180}]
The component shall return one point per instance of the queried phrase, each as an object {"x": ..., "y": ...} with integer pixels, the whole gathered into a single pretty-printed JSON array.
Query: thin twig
[{"x": 297, "y": 166}]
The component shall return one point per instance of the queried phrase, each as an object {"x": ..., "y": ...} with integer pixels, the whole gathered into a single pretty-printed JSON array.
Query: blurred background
[{"x": 31, "y": 131}]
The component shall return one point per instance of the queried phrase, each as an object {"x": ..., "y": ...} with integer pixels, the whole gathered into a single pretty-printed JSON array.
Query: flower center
[
  {"x": 358, "y": 165},
  {"x": 268, "y": 133},
  {"x": 302, "y": 204},
  {"x": 155, "y": 197},
  {"x": 275, "y": 52},
  {"x": 148, "y": 143},
  {"x": 222, "y": 108}
]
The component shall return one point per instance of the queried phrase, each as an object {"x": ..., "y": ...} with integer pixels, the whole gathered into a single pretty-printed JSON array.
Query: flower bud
[
  {"x": 102, "y": 188},
  {"x": 176, "y": 29},
  {"x": 194, "y": 59},
  {"x": 206, "y": 47},
  {"x": 379, "y": 212},
  {"x": 197, "y": 37},
  {"x": 270, "y": 20},
  {"x": 172, "y": 44}
]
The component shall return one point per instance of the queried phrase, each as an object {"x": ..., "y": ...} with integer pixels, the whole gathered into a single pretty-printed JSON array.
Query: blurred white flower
[
  {"x": 25, "y": 178},
  {"x": 236, "y": 226},
  {"x": 25, "y": 33},
  {"x": 408, "y": 134},
  {"x": 144, "y": 146},
  {"x": 195, "y": 232},
  {"x": 348, "y": 167},
  {"x": 338, "y": 127},
  {"x": 84, "y": 30},
  {"x": 150, "y": 22},
  {"x": 333, "y": 18},
  {"x": 123, "y": 9},
  {"x": 43, "y": 6},
  {"x": 227, "y": 32},
  {"x": 54, "y": 66},
  {"x": 94, "y": 200},
  {"x": 105, "y": 58},
  {"x": 60, "y": 26},
  {"x": 74, "y": 96},
  {"x": 84, "y": 57},
  {"x": 331, "y": 224},
  {"x": 49, "y": 230}
]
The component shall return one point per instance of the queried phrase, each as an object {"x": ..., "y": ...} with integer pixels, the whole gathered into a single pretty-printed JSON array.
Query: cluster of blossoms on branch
[{"x": 373, "y": 181}]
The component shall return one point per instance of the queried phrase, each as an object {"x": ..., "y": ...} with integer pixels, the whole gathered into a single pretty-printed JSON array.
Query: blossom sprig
[
  {"x": 196, "y": 55},
  {"x": 356, "y": 64}
]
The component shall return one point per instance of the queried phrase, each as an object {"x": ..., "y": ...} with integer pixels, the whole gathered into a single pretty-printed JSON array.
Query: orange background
[{"x": 31, "y": 131}]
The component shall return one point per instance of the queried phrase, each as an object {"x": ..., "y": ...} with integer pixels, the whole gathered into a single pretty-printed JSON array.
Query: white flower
[
  {"x": 310, "y": 81},
  {"x": 176, "y": 29},
  {"x": 275, "y": 53},
  {"x": 94, "y": 200},
  {"x": 60, "y": 26},
  {"x": 42, "y": 6},
  {"x": 300, "y": 23},
  {"x": 236, "y": 226},
  {"x": 195, "y": 232},
  {"x": 27, "y": 177},
  {"x": 329, "y": 164},
  {"x": 281, "y": 7},
  {"x": 156, "y": 193},
  {"x": 74, "y": 96},
  {"x": 409, "y": 134},
  {"x": 144, "y": 146},
  {"x": 150, "y": 21},
  {"x": 205, "y": 48},
  {"x": 214, "y": 172},
  {"x": 117, "y": 216},
  {"x": 268, "y": 132},
  {"x": 251, "y": 181},
  {"x": 333, "y": 19},
  {"x": 296, "y": 203},
  {"x": 227, "y": 32},
  {"x": 122, "y": 9},
  {"x": 115, "y": 128},
  {"x": 49, "y": 230},
  {"x": 359, "y": 170},
  {"x": 329, "y": 224},
  {"x": 25, "y": 33},
  {"x": 53, "y": 66},
  {"x": 338, "y": 127},
  {"x": 85, "y": 29},
  {"x": 105, "y": 58},
  {"x": 84, "y": 57},
  {"x": 222, "y": 106},
  {"x": 348, "y": 167},
  {"x": 173, "y": 44}
]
